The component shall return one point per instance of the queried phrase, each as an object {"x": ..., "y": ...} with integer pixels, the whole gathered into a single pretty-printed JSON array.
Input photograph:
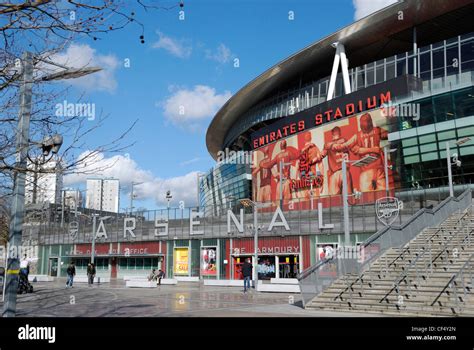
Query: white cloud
[
  {"x": 187, "y": 108},
  {"x": 177, "y": 47},
  {"x": 221, "y": 55},
  {"x": 127, "y": 170},
  {"x": 80, "y": 56},
  {"x": 366, "y": 7}
]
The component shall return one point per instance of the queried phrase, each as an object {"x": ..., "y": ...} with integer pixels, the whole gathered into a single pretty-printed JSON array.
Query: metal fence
[{"x": 56, "y": 227}]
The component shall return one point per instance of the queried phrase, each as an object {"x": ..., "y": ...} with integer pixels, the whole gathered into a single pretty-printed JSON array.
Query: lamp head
[{"x": 52, "y": 144}]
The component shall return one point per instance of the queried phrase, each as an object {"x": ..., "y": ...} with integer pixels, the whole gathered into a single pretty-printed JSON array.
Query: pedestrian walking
[
  {"x": 161, "y": 274},
  {"x": 90, "y": 273},
  {"x": 247, "y": 273},
  {"x": 25, "y": 267},
  {"x": 71, "y": 272},
  {"x": 152, "y": 276}
]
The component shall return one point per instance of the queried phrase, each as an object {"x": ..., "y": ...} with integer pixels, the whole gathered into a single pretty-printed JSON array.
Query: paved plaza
[{"x": 52, "y": 299}]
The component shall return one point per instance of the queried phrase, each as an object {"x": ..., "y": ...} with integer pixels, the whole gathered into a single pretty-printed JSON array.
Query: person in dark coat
[
  {"x": 247, "y": 273},
  {"x": 91, "y": 273},
  {"x": 161, "y": 275},
  {"x": 71, "y": 272}
]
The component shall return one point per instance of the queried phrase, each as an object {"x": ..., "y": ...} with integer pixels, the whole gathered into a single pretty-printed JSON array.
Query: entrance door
[
  {"x": 53, "y": 267},
  {"x": 288, "y": 266}
]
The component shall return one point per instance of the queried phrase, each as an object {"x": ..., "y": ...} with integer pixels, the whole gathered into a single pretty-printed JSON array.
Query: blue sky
[{"x": 189, "y": 64}]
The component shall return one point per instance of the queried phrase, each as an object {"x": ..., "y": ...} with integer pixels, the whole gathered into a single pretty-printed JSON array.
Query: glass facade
[
  {"x": 439, "y": 65},
  {"x": 225, "y": 184},
  {"x": 445, "y": 101},
  {"x": 421, "y": 157}
]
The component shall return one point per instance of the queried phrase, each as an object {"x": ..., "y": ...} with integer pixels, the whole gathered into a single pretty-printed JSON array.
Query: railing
[
  {"x": 421, "y": 273},
  {"x": 458, "y": 280},
  {"x": 320, "y": 276},
  {"x": 383, "y": 270},
  {"x": 300, "y": 213}
]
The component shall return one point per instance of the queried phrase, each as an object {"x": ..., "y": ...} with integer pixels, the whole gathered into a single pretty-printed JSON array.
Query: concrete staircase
[{"x": 422, "y": 278}]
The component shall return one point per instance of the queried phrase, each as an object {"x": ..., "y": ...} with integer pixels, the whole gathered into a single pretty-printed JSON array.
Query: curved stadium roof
[{"x": 376, "y": 36}]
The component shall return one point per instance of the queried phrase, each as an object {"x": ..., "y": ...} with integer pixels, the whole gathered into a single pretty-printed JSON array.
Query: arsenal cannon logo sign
[{"x": 387, "y": 209}]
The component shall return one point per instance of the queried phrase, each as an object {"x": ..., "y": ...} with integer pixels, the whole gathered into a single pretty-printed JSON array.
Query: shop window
[
  {"x": 131, "y": 263},
  {"x": 122, "y": 263},
  {"x": 266, "y": 267},
  {"x": 147, "y": 263}
]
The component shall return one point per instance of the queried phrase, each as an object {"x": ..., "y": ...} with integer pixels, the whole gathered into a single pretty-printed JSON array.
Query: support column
[
  {"x": 277, "y": 266},
  {"x": 339, "y": 56}
]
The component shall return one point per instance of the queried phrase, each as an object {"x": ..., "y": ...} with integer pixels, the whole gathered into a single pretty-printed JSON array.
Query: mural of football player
[
  {"x": 367, "y": 142},
  {"x": 335, "y": 159},
  {"x": 263, "y": 169},
  {"x": 286, "y": 155},
  {"x": 308, "y": 153}
]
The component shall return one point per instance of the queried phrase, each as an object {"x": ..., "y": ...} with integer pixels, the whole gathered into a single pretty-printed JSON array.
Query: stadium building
[{"x": 382, "y": 99}]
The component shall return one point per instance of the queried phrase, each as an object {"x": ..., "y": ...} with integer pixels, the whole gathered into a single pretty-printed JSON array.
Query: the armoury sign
[
  {"x": 387, "y": 209},
  {"x": 161, "y": 226}
]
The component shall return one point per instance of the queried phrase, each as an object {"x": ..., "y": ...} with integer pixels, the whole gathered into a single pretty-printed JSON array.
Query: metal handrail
[
  {"x": 404, "y": 274},
  {"x": 452, "y": 279},
  {"x": 360, "y": 277},
  {"x": 321, "y": 283}
]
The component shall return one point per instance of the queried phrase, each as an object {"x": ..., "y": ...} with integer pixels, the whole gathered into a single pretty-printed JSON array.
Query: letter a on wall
[{"x": 283, "y": 222}]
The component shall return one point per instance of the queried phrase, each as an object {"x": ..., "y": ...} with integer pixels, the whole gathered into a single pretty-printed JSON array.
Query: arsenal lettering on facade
[{"x": 348, "y": 105}]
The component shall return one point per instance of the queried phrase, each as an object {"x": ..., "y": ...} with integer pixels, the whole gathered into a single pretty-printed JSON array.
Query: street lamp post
[
  {"x": 280, "y": 171},
  {"x": 168, "y": 198},
  {"x": 22, "y": 144},
  {"x": 18, "y": 203},
  {"x": 360, "y": 162},
  {"x": 249, "y": 203},
  {"x": 311, "y": 178},
  {"x": 63, "y": 194},
  {"x": 386, "y": 152},
  {"x": 94, "y": 220},
  {"x": 450, "y": 176},
  {"x": 457, "y": 162},
  {"x": 131, "y": 195}
]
